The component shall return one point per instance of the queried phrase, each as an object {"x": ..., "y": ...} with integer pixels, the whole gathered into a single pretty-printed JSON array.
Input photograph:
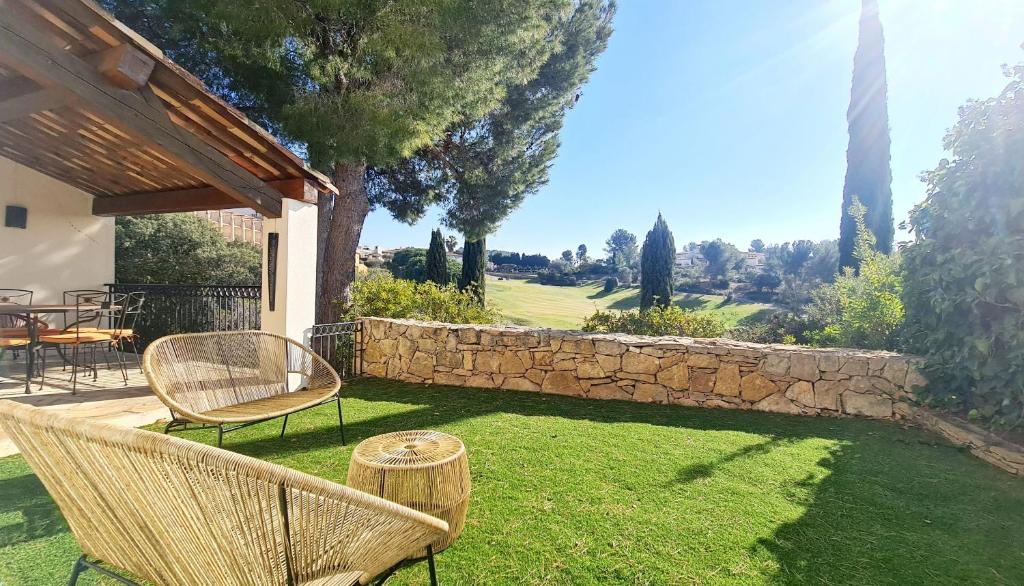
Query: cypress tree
[
  {"x": 656, "y": 261},
  {"x": 868, "y": 172},
  {"x": 437, "y": 259},
  {"x": 474, "y": 263}
]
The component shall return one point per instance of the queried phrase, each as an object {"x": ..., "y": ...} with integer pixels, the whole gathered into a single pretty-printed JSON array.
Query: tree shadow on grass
[
  {"x": 757, "y": 317},
  {"x": 39, "y": 517},
  {"x": 888, "y": 506},
  {"x": 702, "y": 470}
]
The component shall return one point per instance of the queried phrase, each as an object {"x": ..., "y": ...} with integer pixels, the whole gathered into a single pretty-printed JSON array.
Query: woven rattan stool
[{"x": 424, "y": 470}]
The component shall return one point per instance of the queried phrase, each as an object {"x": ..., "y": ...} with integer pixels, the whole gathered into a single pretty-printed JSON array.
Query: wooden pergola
[{"x": 86, "y": 100}]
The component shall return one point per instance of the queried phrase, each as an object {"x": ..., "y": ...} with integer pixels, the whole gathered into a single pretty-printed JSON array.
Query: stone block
[
  {"x": 535, "y": 375},
  {"x": 702, "y": 361},
  {"x": 635, "y": 362},
  {"x": 777, "y": 364},
  {"x": 520, "y": 384},
  {"x": 803, "y": 367},
  {"x": 488, "y": 362},
  {"x": 422, "y": 365},
  {"x": 826, "y": 394},
  {"x": 511, "y": 364},
  {"x": 648, "y": 393},
  {"x": 562, "y": 382},
  {"x": 676, "y": 377},
  {"x": 755, "y": 387},
  {"x": 855, "y": 366},
  {"x": 609, "y": 348},
  {"x": 543, "y": 358},
  {"x": 588, "y": 369},
  {"x": 447, "y": 378},
  {"x": 727, "y": 383},
  {"x": 802, "y": 392},
  {"x": 777, "y": 403},
  {"x": 702, "y": 382},
  {"x": 608, "y": 391},
  {"x": 609, "y": 363},
  {"x": 484, "y": 381},
  {"x": 866, "y": 405}
]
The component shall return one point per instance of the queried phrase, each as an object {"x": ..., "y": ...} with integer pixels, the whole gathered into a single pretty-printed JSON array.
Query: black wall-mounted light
[{"x": 16, "y": 217}]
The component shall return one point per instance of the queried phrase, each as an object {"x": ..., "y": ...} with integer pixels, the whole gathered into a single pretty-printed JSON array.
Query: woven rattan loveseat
[
  {"x": 231, "y": 380},
  {"x": 176, "y": 512}
]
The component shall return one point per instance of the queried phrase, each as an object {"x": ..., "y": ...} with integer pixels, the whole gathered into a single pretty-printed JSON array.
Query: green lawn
[
  {"x": 531, "y": 304},
  {"x": 575, "y": 491}
]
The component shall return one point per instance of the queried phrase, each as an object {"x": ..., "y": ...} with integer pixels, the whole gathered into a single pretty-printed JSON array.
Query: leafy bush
[
  {"x": 201, "y": 256},
  {"x": 865, "y": 309},
  {"x": 550, "y": 277},
  {"x": 965, "y": 270},
  {"x": 610, "y": 284},
  {"x": 766, "y": 280},
  {"x": 382, "y": 295},
  {"x": 670, "y": 321}
]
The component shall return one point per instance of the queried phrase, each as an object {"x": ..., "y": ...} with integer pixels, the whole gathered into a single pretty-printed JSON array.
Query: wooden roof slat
[{"x": 21, "y": 46}]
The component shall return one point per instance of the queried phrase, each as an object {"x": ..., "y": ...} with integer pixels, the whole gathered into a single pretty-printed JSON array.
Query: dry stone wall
[{"x": 712, "y": 373}]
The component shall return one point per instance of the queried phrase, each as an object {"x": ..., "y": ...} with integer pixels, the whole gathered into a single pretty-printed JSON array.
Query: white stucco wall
[
  {"x": 63, "y": 247},
  {"x": 294, "y": 309}
]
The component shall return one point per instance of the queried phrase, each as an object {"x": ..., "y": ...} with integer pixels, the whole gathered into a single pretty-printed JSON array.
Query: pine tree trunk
[
  {"x": 351, "y": 206},
  {"x": 474, "y": 265}
]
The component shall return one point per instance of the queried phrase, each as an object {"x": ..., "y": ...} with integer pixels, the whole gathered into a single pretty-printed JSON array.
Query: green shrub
[
  {"x": 610, "y": 284},
  {"x": 965, "y": 270},
  {"x": 382, "y": 295},
  {"x": 865, "y": 309},
  {"x": 199, "y": 251},
  {"x": 656, "y": 321}
]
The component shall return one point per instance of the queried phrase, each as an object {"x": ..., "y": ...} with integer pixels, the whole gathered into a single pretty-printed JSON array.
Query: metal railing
[
  {"x": 176, "y": 309},
  {"x": 340, "y": 344}
]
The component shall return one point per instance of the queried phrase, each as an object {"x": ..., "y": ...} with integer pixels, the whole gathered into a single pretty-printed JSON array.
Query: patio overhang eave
[{"x": 89, "y": 102}]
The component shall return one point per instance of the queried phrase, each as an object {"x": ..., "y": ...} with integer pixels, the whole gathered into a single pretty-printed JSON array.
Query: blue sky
[{"x": 728, "y": 116}]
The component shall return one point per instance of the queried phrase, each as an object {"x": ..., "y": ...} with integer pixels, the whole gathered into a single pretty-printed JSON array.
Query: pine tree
[
  {"x": 868, "y": 171},
  {"x": 360, "y": 85},
  {"x": 484, "y": 167},
  {"x": 656, "y": 261},
  {"x": 474, "y": 265},
  {"x": 437, "y": 259}
]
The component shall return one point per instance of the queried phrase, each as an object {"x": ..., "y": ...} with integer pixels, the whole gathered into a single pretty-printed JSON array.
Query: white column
[{"x": 295, "y": 299}]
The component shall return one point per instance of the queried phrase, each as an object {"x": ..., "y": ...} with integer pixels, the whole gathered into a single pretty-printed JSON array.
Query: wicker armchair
[
  {"x": 231, "y": 380},
  {"x": 172, "y": 511}
]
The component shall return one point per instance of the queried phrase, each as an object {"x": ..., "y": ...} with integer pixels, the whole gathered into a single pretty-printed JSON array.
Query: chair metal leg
[
  {"x": 284, "y": 425},
  {"x": 80, "y": 566},
  {"x": 74, "y": 369},
  {"x": 341, "y": 422},
  {"x": 135, "y": 351},
  {"x": 430, "y": 565}
]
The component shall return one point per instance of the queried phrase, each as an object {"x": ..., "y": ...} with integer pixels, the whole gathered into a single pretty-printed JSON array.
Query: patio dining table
[{"x": 31, "y": 310}]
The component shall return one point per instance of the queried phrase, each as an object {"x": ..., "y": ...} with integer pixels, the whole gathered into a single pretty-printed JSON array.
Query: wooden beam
[
  {"x": 124, "y": 65},
  {"x": 193, "y": 200},
  {"x": 185, "y": 200},
  {"x": 300, "y": 189},
  {"x": 30, "y": 52},
  {"x": 30, "y": 103}
]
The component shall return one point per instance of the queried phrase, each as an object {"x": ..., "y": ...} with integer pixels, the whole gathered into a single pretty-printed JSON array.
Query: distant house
[
  {"x": 755, "y": 261},
  {"x": 752, "y": 261},
  {"x": 237, "y": 225},
  {"x": 376, "y": 255},
  {"x": 690, "y": 258}
]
